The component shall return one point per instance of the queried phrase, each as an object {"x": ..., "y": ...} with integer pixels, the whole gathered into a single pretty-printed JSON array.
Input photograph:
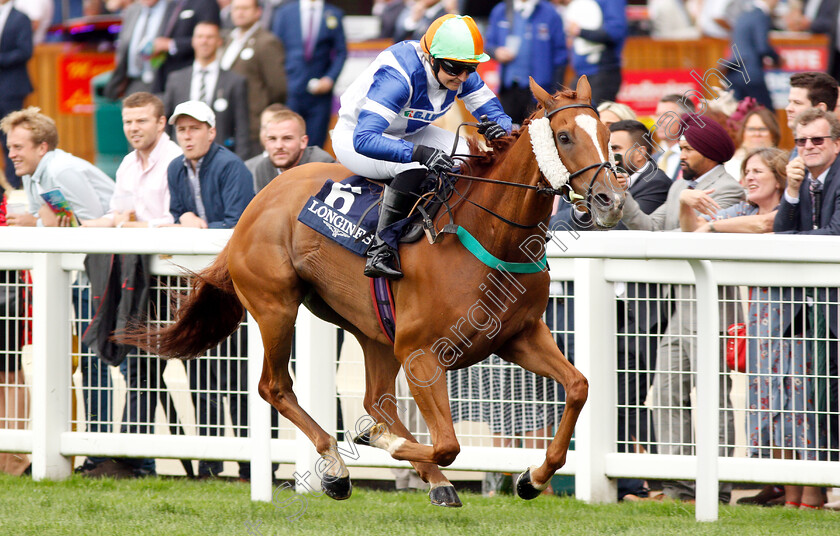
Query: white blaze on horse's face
[{"x": 590, "y": 125}]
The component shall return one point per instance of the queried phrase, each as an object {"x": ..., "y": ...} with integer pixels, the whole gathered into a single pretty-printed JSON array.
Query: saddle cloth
[
  {"x": 341, "y": 211},
  {"x": 337, "y": 209}
]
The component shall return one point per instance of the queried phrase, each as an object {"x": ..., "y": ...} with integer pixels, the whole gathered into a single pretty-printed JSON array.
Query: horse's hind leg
[
  {"x": 536, "y": 351},
  {"x": 276, "y": 316},
  {"x": 381, "y": 369}
]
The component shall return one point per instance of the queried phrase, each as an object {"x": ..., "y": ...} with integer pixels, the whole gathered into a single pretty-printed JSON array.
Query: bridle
[
  {"x": 565, "y": 191},
  {"x": 570, "y": 197}
]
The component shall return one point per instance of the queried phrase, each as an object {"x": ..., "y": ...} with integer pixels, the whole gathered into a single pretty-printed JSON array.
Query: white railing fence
[{"x": 595, "y": 262}]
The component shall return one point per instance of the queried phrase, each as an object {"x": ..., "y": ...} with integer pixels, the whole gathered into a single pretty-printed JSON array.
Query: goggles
[{"x": 455, "y": 68}]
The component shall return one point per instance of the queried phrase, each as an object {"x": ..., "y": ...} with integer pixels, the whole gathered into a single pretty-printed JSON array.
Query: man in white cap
[
  {"x": 209, "y": 188},
  {"x": 209, "y": 185}
]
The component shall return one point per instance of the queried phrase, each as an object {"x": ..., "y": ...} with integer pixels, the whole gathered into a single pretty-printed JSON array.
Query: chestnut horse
[{"x": 273, "y": 264}]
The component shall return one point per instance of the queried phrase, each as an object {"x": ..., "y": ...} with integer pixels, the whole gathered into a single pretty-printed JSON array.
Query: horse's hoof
[
  {"x": 337, "y": 488},
  {"x": 363, "y": 439},
  {"x": 371, "y": 434},
  {"x": 525, "y": 489},
  {"x": 445, "y": 496}
]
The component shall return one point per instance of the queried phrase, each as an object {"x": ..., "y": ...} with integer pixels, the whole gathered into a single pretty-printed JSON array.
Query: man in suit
[
  {"x": 668, "y": 160},
  {"x": 809, "y": 207},
  {"x": 642, "y": 317},
  {"x": 176, "y": 40},
  {"x": 812, "y": 176},
  {"x": 287, "y": 146},
  {"x": 224, "y": 91},
  {"x": 257, "y": 55},
  {"x": 647, "y": 183},
  {"x": 15, "y": 51},
  {"x": 704, "y": 147},
  {"x": 151, "y": 43},
  {"x": 312, "y": 34}
]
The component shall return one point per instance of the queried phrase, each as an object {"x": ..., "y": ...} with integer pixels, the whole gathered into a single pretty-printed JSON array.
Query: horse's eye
[{"x": 563, "y": 137}]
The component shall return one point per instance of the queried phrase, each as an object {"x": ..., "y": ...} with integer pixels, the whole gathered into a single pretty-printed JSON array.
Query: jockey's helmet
[{"x": 454, "y": 38}]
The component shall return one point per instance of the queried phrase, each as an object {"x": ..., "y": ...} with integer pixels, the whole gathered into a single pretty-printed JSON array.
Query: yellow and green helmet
[{"x": 455, "y": 38}]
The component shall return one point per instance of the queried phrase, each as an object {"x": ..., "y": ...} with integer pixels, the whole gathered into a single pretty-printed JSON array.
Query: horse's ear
[
  {"x": 541, "y": 95},
  {"x": 584, "y": 90}
]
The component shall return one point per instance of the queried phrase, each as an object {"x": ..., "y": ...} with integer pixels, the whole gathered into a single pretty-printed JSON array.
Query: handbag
[{"x": 736, "y": 347}]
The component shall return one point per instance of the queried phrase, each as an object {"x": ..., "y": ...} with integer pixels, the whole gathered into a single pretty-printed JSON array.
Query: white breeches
[{"x": 431, "y": 136}]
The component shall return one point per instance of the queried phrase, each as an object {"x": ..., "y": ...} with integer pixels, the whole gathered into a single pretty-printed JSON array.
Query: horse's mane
[{"x": 484, "y": 159}]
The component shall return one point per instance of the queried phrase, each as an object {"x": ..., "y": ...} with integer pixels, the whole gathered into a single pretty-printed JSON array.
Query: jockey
[{"x": 384, "y": 128}]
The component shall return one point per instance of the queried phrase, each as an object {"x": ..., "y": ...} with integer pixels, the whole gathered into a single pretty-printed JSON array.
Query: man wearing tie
[
  {"x": 224, "y": 91},
  {"x": 15, "y": 51},
  {"x": 174, "y": 43},
  {"x": 256, "y": 54},
  {"x": 154, "y": 41},
  {"x": 312, "y": 34},
  {"x": 809, "y": 207},
  {"x": 667, "y": 133},
  {"x": 813, "y": 186}
]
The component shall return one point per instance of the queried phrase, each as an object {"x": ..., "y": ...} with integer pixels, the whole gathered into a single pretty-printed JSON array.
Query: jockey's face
[
  {"x": 285, "y": 142},
  {"x": 451, "y": 81}
]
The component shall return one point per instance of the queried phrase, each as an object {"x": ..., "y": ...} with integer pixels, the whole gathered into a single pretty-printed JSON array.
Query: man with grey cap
[
  {"x": 704, "y": 147},
  {"x": 209, "y": 188},
  {"x": 209, "y": 185}
]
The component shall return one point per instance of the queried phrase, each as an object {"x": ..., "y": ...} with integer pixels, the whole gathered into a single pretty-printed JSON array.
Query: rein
[{"x": 565, "y": 191}]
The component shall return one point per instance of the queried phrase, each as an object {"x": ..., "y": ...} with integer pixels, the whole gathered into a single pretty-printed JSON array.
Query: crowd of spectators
[{"x": 246, "y": 91}]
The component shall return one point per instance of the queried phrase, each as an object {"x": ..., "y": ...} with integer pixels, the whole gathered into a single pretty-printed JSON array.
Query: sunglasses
[
  {"x": 455, "y": 68},
  {"x": 816, "y": 140}
]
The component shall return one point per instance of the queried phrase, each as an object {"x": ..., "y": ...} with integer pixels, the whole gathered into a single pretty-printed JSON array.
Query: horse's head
[{"x": 571, "y": 146}]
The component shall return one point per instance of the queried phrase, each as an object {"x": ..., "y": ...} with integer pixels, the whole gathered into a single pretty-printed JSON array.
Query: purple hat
[{"x": 707, "y": 137}]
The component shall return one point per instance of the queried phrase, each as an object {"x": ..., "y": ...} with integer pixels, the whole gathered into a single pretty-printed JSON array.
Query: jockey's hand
[
  {"x": 434, "y": 159},
  {"x": 491, "y": 130}
]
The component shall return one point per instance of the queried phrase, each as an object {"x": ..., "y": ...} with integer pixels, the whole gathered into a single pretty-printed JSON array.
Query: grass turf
[{"x": 80, "y": 507}]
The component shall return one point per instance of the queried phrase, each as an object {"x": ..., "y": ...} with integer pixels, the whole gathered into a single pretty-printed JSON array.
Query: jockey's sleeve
[
  {"x": 479, "y": 100},
  {"x": 388, "y": 95}
]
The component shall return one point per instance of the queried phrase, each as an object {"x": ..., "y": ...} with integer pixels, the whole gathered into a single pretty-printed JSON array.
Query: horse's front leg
[{"x": 535, "y": 350}]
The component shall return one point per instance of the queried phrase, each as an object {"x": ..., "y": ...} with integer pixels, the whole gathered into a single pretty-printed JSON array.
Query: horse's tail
[{"x": 206, "y": 316}]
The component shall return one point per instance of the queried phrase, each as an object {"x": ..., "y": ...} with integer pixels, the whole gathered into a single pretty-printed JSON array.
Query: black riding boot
[{"x": 383, "y": 260}]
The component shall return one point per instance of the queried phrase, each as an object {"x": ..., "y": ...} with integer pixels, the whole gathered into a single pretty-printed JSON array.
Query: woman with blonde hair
[{"x": 613, "y": 112}]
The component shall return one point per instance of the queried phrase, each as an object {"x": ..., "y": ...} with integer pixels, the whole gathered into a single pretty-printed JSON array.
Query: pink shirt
[{"x": 146, "y": 191}]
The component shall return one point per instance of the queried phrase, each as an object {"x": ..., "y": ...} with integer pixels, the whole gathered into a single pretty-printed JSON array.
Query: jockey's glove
[
  {"x": 434, "y": 159},
  {"x": 491, "y": 130}
]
